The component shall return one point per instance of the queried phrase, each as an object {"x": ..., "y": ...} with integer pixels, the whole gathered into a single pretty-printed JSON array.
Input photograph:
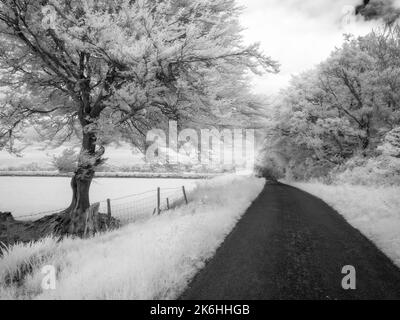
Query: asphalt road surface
[{"x": 292, "y": 245}]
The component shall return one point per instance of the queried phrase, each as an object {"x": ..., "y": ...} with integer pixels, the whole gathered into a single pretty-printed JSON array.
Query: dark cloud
[{"x": 379, "y": 9}]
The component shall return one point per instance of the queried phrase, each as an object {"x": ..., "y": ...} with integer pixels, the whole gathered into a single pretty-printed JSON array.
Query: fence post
[
  {"x": 109, "y": 211},
  {"x": 184, "y": 194},
  {"x": 92, "y": 223},
  {"x": 158, "y": 201},
  {"x": 167, "y": 203}
]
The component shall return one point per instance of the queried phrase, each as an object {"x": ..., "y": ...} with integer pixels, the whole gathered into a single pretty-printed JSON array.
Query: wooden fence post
[
  {"x": 92, "y": 223},
  {"x": 158, "y": 201},
  {"x": 167, "y": 203},
  {"x": 109, "y": 211},
  {"x": 184, "y": 194}
]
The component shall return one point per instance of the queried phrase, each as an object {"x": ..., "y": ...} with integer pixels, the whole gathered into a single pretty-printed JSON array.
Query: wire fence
[
  {"x": 133, "y": 207},
  {"x": 38, "y": 215}
]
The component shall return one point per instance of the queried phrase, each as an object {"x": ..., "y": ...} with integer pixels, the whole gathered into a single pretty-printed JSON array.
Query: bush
[
  {"x": 33, "y": 166},
  {"x": 382, "y": 170},
  {"x": 67, "y": 161},
  {"x": 391, "y": 145},
  {"x": 266, "y": 172},
  {"x": 308, "y": 169}
]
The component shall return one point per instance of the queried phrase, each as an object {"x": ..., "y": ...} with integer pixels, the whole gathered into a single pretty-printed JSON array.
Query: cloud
[{"x": 299, "y": 34}]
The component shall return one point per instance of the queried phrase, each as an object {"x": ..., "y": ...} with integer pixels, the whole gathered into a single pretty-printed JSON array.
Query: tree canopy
[
  {"x": 121, "y": 64},
  {"x": 342, "y": 108}
]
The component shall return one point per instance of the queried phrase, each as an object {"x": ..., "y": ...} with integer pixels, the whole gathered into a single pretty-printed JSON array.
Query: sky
[{"x": 298, "y": 33}]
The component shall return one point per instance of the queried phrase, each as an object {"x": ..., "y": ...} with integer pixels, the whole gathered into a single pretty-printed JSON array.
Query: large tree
[
  {"x": 341, "y": 108},
  {"x": 112, "y": 69}
]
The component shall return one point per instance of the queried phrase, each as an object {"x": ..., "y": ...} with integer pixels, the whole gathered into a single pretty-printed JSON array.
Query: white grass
[
  {"x": 375, "y": 211},
  {"x": 153, "y": 259}
]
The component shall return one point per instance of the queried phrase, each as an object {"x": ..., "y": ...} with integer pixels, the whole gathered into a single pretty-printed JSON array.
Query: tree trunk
[
  {"x": 365, "y": 141},
  {"x": 74, "y": 219}
]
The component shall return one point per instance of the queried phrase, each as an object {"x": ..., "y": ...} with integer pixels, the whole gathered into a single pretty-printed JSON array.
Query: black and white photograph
[{"x": 197, "y": 157}]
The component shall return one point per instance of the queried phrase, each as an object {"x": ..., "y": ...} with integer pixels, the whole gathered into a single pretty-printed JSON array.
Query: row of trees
[
  {"x": 109, "y": 70},
  {"x": 347, "y": 106}
]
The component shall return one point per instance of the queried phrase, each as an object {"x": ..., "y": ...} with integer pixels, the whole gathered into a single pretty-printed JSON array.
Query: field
[{"x": 29, "y": 195}]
